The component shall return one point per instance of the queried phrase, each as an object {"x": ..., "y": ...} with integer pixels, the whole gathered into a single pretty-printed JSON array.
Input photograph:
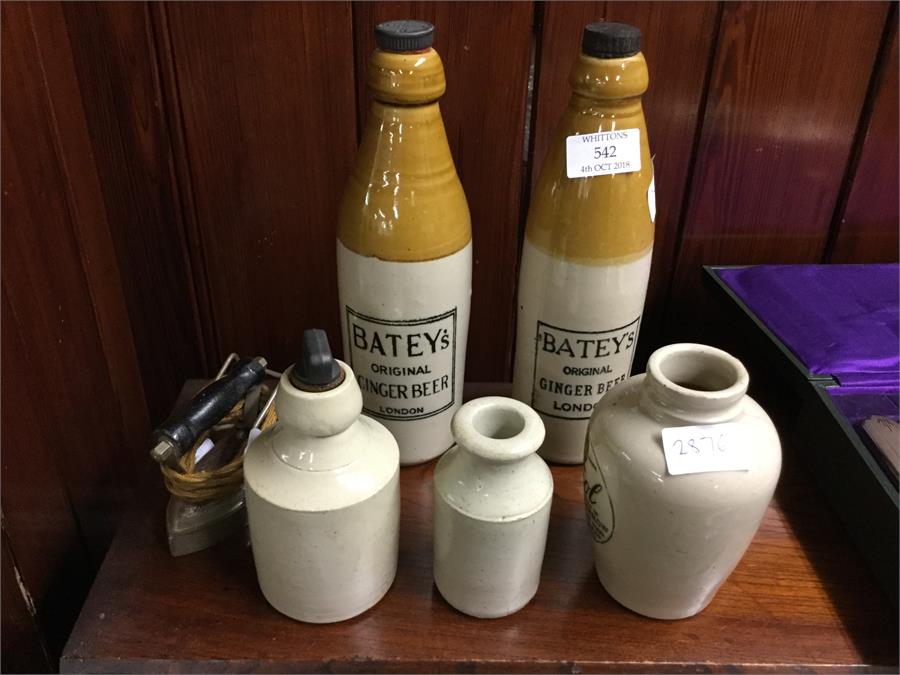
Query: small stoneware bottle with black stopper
[
  {"x": 588, "y": 243},
  {"x": 323, "y": 495},
  {"x": 404, "y": 250}
]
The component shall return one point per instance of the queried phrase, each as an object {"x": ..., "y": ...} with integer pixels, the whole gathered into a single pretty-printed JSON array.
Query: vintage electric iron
[{"x": 200, "y": 449}]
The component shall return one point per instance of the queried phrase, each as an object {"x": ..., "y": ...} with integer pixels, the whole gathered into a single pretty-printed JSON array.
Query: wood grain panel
[
  {"x": 38, "y": 514},
  {"x": 484, "y": 113},
  {"x": 868, "y": 227},
  {"x": 23, "y": 650},
  {"x": 115, "y": 63},
  {"x": 266, "y": 92},
  {"x": 74, "y": 416},
  {"x": 676, "y": 40},
  {"x": 61, "y": 275},
  {"x": 788, "y": 85}
]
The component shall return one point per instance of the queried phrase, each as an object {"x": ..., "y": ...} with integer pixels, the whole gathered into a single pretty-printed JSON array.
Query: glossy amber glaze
[
  {"x": 598, "y": 220},
  {"x": 404, "y": 201}
]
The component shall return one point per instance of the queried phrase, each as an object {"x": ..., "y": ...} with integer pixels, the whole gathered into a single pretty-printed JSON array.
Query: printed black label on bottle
[
  {"x": 598, "y": 504},
  {"x": 405, "y": 369},
  {"x": 574, "y": 368}
]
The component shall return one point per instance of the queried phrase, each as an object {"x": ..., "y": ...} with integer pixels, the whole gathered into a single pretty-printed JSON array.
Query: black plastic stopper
[
  {"x": 406, "y": 35},
  {"x": 607, "y": 40},
  {"x": 316, "y": 369}
]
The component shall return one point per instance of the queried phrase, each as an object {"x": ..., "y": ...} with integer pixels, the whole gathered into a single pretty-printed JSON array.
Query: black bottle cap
[
  {"x": 607, "y": 40},
  {"x": 316, "y": 369},
  {"x": 406, "y": 35}
]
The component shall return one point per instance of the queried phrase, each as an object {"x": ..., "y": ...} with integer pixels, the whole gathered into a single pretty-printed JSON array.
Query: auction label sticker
[
  {"x": 573, "y": 369},
  {"x": 704, "y": 448},
  {"x": 406, "y": 369},
  {"x": 603, "y": 153}
]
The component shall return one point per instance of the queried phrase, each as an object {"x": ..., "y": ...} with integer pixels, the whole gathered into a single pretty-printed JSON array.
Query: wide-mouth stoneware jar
[
  {"x": 491, "y": 508},
  {"x": 664, "y": 543}
]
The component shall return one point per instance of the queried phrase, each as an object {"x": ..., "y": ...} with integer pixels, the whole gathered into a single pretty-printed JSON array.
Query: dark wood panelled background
[{"x": 171, "y": 175}]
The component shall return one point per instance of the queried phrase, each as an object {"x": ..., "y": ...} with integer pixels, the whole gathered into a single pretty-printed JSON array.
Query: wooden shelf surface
[{"x": 799, "y": 600}]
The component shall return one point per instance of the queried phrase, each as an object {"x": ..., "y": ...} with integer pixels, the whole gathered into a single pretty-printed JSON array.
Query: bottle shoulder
[
  {"x": 625, "y": 445},
  {"x": 492, "y": 492},
  {"x": 316, "y": 486},
  {"x": 403, "y": 200},
  {"x": 594, "y": 218}
]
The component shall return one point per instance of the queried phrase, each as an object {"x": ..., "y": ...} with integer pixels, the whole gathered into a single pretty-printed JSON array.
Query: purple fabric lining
[
  {"x": 839, "y": 320},
  {"x": 856, "y": 405}
]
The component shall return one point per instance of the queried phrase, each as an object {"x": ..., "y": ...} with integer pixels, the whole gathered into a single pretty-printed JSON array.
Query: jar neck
[
  {"x": 693, "y": 384},
  {"x": 319, "y": 413},
  {"x": 407, "y": 78},
  {"x": 316, "y": 431}
]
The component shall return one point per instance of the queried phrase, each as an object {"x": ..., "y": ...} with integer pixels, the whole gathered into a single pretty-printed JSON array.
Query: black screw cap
[
  {"x": 608, "y": 40},
  {"x": 316, "y": 369},
  {"x": 406, "y": 35}
]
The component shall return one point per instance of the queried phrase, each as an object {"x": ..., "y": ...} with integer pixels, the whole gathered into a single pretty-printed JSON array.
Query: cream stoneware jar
[
  {"x": 491, "y": 508},
  {"x": 323, "y": 503},
  {"x": 663, "y": 543}
]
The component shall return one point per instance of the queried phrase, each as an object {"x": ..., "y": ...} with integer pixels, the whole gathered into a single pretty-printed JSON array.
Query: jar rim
[
  {"x": 498, "y": 429},
  {"x": 698, "y": 375}
]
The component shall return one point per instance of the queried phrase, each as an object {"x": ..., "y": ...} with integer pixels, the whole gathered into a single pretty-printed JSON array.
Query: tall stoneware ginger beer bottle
[
  {"x": 404, "y": 250},
  {"x": 588, "y": 243}
]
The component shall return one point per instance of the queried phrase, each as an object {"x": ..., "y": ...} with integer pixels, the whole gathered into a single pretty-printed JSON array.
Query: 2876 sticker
[{"x": 704, "y": 448}]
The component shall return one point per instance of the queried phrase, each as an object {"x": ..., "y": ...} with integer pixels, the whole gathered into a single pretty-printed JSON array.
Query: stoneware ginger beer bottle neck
[
  {"x": 405, "y": 69},
  {"x": 694, "y": 383},
  {"x": 610, "y": 75},
  {"x": 404, "y": 130},
  {"x": 404, "y": 201},
  {"x": 610, "y": 70}
]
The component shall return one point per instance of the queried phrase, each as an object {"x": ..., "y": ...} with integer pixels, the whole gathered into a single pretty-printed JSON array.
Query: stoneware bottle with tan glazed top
[
  {"x": 323, "y": 495},
  {"x": 588, "y": 243},
  {"x": 492, "y": 496},
  {"x": 404, "y": 250},
  {"x": 680, "y": 466}
]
